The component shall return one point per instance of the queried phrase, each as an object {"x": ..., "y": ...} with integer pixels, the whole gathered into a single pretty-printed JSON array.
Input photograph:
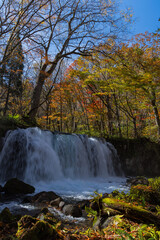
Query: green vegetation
[{"x": 11, "y": 122}]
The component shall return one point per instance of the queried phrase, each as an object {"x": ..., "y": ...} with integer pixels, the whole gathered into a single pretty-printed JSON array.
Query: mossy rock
[
  {"x": 32, "y": 228},
  {"x": 6, "y": 216},
  {"x": 49, "y": 217}
]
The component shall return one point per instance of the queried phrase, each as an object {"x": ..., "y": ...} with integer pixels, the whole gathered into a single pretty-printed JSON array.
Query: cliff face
[{"x": 138, "y": 156}]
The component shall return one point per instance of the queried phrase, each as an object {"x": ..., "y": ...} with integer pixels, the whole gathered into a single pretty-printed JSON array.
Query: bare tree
[
  {"x": 18, "y": 16},
  {"x": 72, "y": 27},
  {"x": 57, "y": 29}
]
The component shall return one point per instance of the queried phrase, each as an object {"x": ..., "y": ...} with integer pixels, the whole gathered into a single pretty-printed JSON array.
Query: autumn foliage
[{"x": 112, "y": 92}]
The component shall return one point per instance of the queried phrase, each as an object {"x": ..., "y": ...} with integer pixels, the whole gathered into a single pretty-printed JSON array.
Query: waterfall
[{"x": 36, "y": 155}]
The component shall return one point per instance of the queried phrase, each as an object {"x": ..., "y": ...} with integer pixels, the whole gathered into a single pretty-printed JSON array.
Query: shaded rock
[
  {"x": 44, "y": 197},
  {"x": 32, "y": 228},
  {"x": 27, "y": 199},
  {"x": 138, "y": 180},
  {"x": 138, "y": 157},
  {"x": 45, "y": 210},
  {"x": 72, "y": 210},
  {"x": 96, "y": 206},
  {"x": 24, "y": 211},
  {"x": 15, "y": 186},
  {"x": 6, "y": 216},
  {"x": 56, "y": 202},
  {"x": 109, "y": 222},
  {"x": 105, "y": 195},
  {"x": 84, "y": 203},
  {"x": 1, "y": 189}
]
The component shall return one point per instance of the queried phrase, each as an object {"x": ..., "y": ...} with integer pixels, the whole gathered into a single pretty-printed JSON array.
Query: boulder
[
  {"x": 32, "y": 228},
  {"x": 44, "y": 197},
  {"x": 72, "y": 210},
  {"x": 15, "y": 186},
  {"x": 138, "y": 180},
  {"x": 56, "y": 202}
]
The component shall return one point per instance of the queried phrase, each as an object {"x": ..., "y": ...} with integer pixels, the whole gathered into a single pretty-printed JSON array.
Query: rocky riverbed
[{"x": 46, "y": 215}]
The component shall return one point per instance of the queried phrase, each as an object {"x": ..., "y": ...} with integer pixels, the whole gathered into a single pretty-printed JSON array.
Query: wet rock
[
  {"x": 15, "y": 186},
  {"x": 44, "y": 197},
  {"x": 6, "y": 216},
  {"x": 32, "y": 228},
  {"x": 56, "y": 202},
  {"x": 61, "y": 204},
  {"x": 72, "y": 210},
  {"x": 138, "y": 180}
]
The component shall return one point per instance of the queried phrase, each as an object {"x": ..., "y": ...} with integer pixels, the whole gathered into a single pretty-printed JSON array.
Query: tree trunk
[
  {"x": 109, "y": 115},
  {"x": 135, "y": 127},
  {"x": 37, "y": 92},
  {"x": 7, "y": 98},
  {"x": 35, "y": 103},
  {"x": 155, "y": 109},
  {"x": 131, "y": 211},
  {"x": 117, "y": 116}
]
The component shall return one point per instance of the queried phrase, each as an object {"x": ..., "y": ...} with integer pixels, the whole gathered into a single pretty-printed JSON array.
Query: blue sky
[{"x": 146, "y": 14}]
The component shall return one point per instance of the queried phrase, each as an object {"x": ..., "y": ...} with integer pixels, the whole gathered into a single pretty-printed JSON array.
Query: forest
[
  {"x": 72, "y": 78},
  {"x": 72, "y": 67}
]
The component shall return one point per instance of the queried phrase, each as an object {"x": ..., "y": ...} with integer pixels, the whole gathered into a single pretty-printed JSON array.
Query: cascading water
[{"x": 35, "y": 156}]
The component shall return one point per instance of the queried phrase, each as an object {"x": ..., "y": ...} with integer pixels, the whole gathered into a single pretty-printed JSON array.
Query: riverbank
[{"x": 134, "y": 215}]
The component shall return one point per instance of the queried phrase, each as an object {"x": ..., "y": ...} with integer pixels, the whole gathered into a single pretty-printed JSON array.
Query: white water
[
  {"x": 71, "y": 165},
  {"x": 73, "y": 189},
  {"x": 83, "y": 189}
]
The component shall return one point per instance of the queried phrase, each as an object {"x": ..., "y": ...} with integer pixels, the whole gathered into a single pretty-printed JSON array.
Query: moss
[
  {"x": 32, "y": 228},
  {"x": 6, "y": 216},
  {"x": 155, "y": 183},
  {"x": 13, "y": 122},
  {"x": 125, "y": 206}
]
